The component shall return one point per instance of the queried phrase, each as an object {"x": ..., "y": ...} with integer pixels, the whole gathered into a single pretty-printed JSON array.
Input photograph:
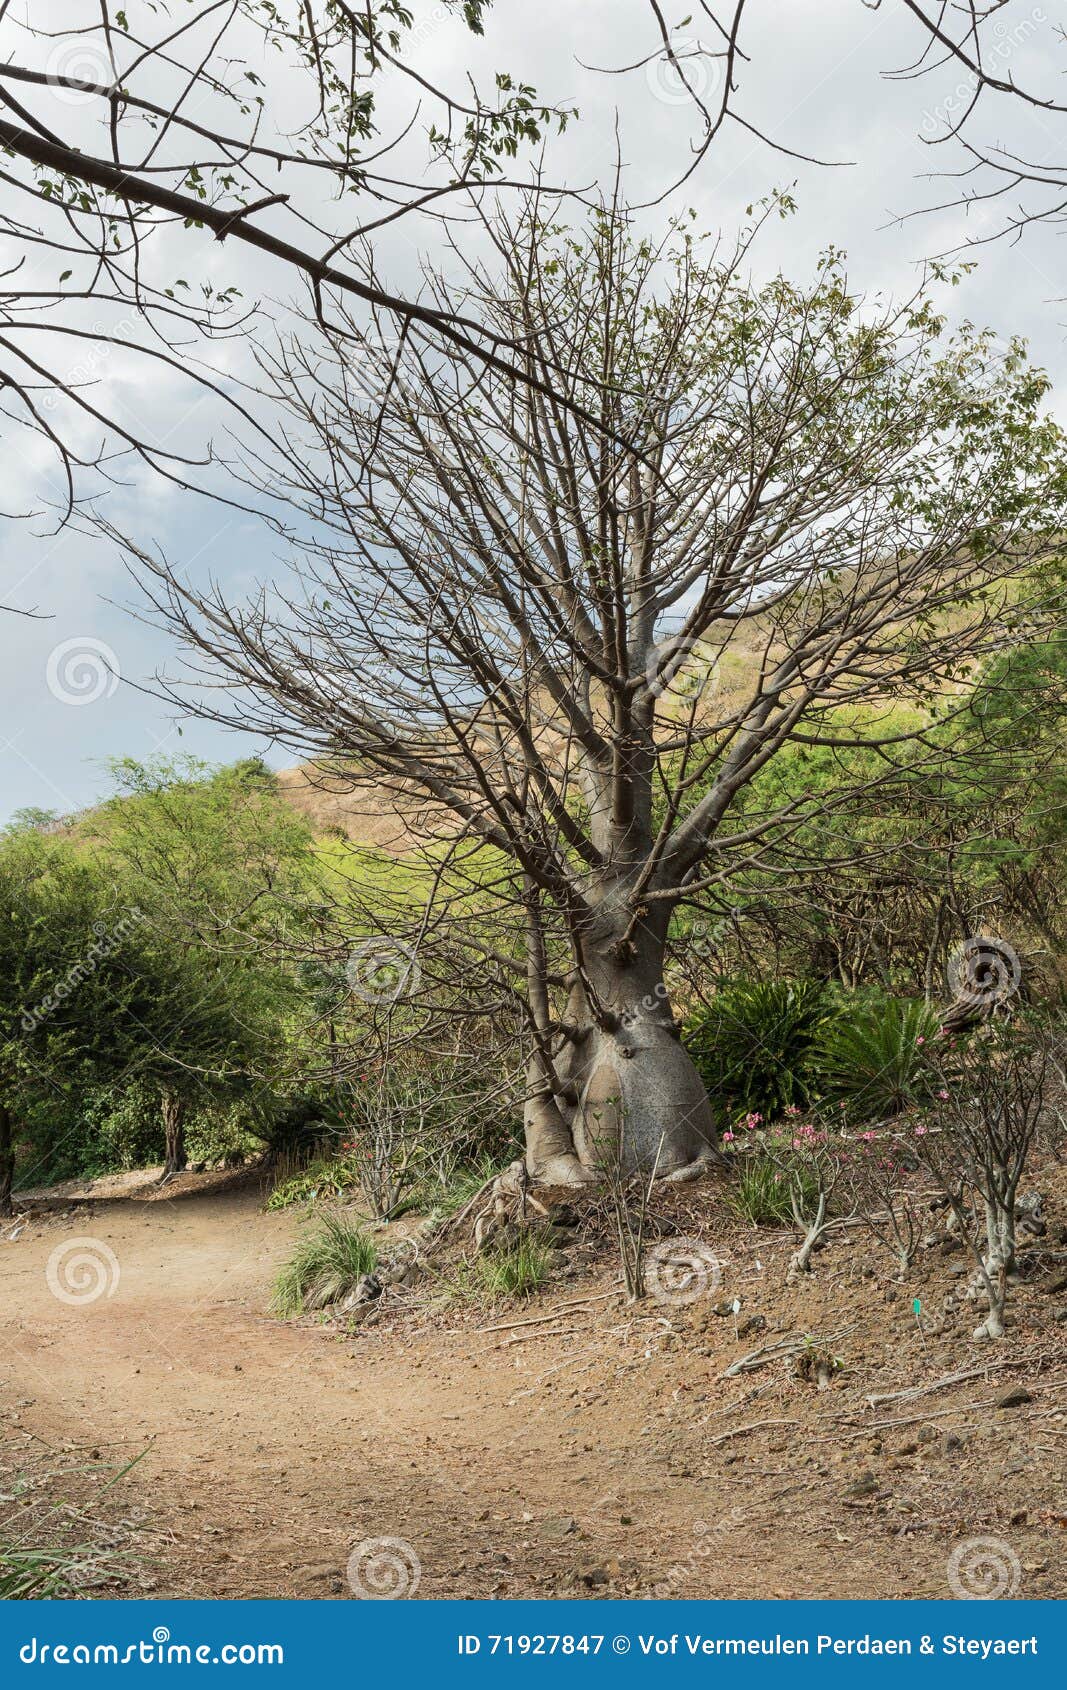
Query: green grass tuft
[
  {"x": 325, "y": 1266},
  {"x": 516, "y": 1267},
  {"x": 761, "y": 1194},
  {"x": 26, "y": 1573}
]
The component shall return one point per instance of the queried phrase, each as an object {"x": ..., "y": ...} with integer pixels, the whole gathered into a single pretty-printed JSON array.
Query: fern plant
[
  {"x": 753, "y": 1045},
  {"x": 872, "y": 1057}
]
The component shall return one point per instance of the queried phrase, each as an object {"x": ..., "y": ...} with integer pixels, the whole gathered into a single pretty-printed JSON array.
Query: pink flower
[
  {"x": 919, "y": 1131},
  {"x": 920, "y": 1041},
  {"x": 868, "y": 1138},
  {"x": 728, "y": 1137},
  {"x": 943, "y": 1094}
]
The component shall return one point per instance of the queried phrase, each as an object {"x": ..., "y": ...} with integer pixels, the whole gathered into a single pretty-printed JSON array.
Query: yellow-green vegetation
[{"x": 322, "y": 1181}]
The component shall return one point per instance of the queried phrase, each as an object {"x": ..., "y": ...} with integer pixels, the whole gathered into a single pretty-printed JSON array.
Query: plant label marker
[{"x": 917, "y": 1310}]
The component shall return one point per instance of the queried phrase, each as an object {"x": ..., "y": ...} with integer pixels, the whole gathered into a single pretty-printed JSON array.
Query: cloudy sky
[{"x": 815, "y": 81}]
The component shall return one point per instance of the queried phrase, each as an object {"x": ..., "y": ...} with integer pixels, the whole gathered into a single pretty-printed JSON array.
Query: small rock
[
  {"x": 1056, "y": 1283},
  {"x": 367, "y": 1289},
  {"x": 594, "y": 1577},
  {"x": 865, "y": 1485},
  {"x": 1014, "y": 1397},
  {"x": 927, "y": 1434},
  {"x": 1019, "y": 1518},
  {"x": 1060, "y": 1314},
  {"x": 754, "y": 1323},
  {"x": 559, "y": 1528},
  {"x": 952, "y": 1442},
  {"x": 908, "y": 1449},
  {"x": 324, "y": 1570}
]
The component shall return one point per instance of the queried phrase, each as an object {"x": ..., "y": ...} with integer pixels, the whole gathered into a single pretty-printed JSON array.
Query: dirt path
[{"x": 581, "y": 1461}]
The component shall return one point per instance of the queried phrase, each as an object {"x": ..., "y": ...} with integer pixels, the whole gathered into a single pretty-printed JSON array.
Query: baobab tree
[{"x": 577, "y": 647}]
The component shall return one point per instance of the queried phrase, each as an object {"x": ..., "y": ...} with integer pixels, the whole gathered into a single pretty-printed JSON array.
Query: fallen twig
[
  {"x": 912, "y": 1391},
  {"x": 540, "y": 1319},
  {"x": 553, "y": 1332},
  {"x": 739, "y": 1431},
  {"x": 778, "y": 1351}
]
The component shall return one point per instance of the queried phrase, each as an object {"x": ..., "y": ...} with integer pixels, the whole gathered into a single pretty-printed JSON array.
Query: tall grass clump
[
  {"x": 325, "y": 1266},
  {"x": 761, "y": 1194}
]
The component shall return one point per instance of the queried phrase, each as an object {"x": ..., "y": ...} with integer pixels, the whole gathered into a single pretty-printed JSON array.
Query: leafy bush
[
  {"x": 753, "y": 1044},
  {"x": 327, "y": 1178},
  {"x": 871, "y": 1057},
  {"x": 325, "y": 1266},
  {"x": 515, "y": 1266}
]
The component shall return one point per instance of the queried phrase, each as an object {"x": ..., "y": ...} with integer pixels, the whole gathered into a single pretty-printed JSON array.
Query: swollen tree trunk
[
  {"x": 7, "y": 1160},
  {"x": 625, "y": 1091},
  {"x": 174, "y": 1127}
]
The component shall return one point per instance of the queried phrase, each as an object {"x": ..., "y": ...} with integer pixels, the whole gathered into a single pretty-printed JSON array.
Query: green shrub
[
  {"x": 761, "y": 1194},
  {"x": 516, "y": 1266},
  {"x": 872, "y": 1059},
  {"x": 326, "y": 1179},
  {"x": 753, "y": 1044},
  {"x": 325, "y": 1266}
]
